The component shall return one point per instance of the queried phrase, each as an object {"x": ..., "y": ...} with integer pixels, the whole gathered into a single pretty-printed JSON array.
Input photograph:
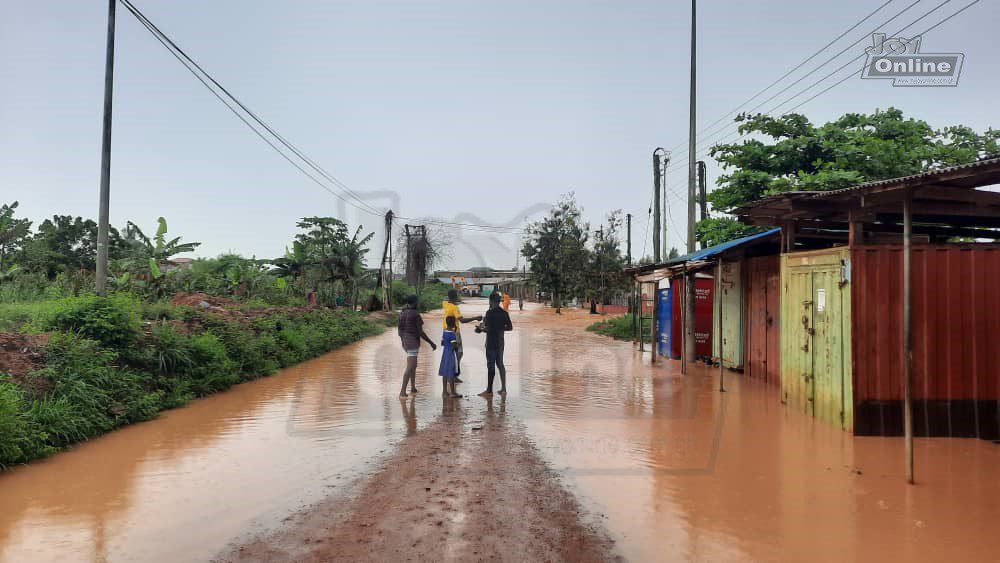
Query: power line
[
  {"x": 855, "y": 59},
  {"x": 194, "y": 68},
  {"x": 820, "y": 66},
  {"x": 796, "y": 67}
]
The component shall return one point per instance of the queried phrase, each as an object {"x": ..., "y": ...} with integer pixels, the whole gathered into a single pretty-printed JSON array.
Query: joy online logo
[{"x": 900, "y": 59}]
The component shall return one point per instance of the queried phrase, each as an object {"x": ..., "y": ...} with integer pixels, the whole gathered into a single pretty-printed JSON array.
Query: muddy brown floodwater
[{"x": 664, "y": 465}]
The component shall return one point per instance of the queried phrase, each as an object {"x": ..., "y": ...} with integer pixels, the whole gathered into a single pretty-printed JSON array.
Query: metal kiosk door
[{"x": 817, "y": 377}]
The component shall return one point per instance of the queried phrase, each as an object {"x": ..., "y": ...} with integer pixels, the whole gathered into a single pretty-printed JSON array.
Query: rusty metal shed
[{"x": 920, "y": 306}]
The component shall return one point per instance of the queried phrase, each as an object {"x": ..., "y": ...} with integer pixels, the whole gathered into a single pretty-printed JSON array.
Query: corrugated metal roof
[
  {"x": 970, "y": 167},
  {"x": 720, "y": 248}
]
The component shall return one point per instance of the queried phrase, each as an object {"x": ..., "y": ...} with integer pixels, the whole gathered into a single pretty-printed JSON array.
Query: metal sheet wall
[
  {"x": 762, "y": 291},
  {"x": 956, "y": 317},
  {"x": 956, "y": 358},
  {"x": 730, "y": 296}
]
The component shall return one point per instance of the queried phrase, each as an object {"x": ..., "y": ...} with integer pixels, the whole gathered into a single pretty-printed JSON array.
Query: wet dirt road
[{"x": 668, "y": 467}]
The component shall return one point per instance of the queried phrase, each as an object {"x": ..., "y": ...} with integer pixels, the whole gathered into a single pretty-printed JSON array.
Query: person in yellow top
[
  {"x": 451, "y": 310},
  {"x": 506, "y": 302}
]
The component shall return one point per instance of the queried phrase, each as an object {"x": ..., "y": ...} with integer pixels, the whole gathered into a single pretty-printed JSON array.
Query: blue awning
[{"x": 720, "y": 248}]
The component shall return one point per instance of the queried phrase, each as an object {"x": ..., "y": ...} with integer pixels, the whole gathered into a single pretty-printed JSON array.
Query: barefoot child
[
  {"x": 411, "y": 332},
  {"x": 449, "y": 362}
]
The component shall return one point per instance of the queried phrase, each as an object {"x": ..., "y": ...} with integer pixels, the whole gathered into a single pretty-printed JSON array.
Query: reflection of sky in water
[{"x": 673, "y": 468}]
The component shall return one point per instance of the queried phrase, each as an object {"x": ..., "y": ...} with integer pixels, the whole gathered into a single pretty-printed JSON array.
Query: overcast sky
[{"x": 480, "y": 111}]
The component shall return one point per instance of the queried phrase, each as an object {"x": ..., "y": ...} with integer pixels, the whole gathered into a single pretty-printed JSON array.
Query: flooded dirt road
[{"x": 670, "y": 468}]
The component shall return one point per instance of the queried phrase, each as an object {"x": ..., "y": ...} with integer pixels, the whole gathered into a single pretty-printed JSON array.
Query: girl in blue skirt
[{"x": 449, "y": 362}]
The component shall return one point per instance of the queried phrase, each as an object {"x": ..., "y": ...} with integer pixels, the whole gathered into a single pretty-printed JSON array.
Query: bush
[
  {"x": 211, "y": 369},
  {"x": 112, "y": 321},
  {"x": 619, "y": 328},
  {"x": 20, "y": 437},
  {"x": 93, "y": 388}
]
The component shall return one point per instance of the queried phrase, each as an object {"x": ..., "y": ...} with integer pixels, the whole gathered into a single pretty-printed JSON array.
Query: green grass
[
  {"x": 619, "y": 328},
  {"x": 115, "y": 361}
]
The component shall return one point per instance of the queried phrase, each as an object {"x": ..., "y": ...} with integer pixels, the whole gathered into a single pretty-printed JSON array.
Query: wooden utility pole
[
  {"x": 628, "y": 247},
  {"x": 103, "y": 226}
]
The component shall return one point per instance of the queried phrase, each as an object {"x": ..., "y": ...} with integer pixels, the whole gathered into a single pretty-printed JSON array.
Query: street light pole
[{"x": 101, "y": 275}]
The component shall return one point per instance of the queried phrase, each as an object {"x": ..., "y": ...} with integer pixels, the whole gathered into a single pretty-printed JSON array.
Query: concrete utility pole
[
  {"x": 689, "y": 285},
  {"x": 657, "y": 189},
  {"x": 101, "y": 275}
]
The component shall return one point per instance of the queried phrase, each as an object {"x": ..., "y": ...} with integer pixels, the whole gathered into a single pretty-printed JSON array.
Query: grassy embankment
[
  {"x": 91, "y": 364},
  {"x": 88, "y": 365}
]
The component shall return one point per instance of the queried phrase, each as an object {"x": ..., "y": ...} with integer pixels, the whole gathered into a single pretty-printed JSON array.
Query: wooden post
[
  {"x": 907, "y": 334},
  {"x": 855, "y": 230},
  {"x": 719, "y": 292},
  {"x": 683, "y": 335},
  {"x": 655, "y": 323}
]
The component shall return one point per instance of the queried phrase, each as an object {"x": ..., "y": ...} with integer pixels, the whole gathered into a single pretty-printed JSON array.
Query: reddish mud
[
  {"x": 21, "y": 354},
  {"x": 455, "y": 491}
]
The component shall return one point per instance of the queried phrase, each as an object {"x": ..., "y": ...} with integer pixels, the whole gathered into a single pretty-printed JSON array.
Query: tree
[
  {"x": 338, "y": 257},
  {"x": 65, "y": 243},
  {"x": 145, "y": 257},
  {"x": 556, "y": 248},
  {"x": 13, "y": 232},
  {"x": 607, "y": 261},
  {"x": 855, "y": 148}
]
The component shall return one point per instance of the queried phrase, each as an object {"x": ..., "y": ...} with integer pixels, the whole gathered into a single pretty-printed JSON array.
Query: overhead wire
[{"x": 205, "y": 78}]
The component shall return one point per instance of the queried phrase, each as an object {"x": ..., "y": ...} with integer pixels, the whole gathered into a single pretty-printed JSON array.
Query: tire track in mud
[{"x": 469, "y": 486}]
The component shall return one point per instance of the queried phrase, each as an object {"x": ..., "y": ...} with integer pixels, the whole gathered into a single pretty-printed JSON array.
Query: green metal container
[
  {"x": 730, "y": 298},
  {"x": 816, "y": 334}
]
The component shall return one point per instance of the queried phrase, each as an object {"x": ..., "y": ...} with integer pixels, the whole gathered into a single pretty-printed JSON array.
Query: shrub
[
  {"x": 112, "y": 321},
  {"x": 169, "y": 348},
  {"x": 211, "y": 369},
  {"x": 20, "y": 437},
  {"x": 619, "y": 328}
]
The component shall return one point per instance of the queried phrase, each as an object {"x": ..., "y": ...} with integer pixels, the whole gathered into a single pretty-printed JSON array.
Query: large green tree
[
  {"x": 788, "y": 152},
  {"x": 556, "y": 246},
  {"x": 13, "y": 233},
  {"x": 65, "y": 243}
]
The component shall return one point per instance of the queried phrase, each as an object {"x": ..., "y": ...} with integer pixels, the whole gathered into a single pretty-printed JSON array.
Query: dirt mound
[
  {"x": 197, "y": 299},
  {"x": 21, "y": 354}
]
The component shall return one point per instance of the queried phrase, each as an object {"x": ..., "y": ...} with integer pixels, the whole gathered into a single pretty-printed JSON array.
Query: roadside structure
[{"x": 890, "y": 331}]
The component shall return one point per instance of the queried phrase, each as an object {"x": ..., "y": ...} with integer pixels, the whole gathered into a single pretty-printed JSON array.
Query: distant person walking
[
  {"x": 496, "y": 322},
  {"x": 451, "y": 310},
  {"x": 411, "y": 332},
  {"x": 449, "y": 362},
  {"x": 506, "y": 301}
]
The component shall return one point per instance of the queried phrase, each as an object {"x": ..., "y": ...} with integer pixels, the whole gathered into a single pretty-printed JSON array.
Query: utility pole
[
  {"x": 657, "y": 181},
  {"x": 628, "y": 247},
  {"x": 101, "y": 275},
  {"x": 600, "y": 258},
  {"x": 689, "y": 283},
  {"x": 385, "y": 269},
  {"x": 691, "y": 137},
  {"x": 703, "y": 190}
]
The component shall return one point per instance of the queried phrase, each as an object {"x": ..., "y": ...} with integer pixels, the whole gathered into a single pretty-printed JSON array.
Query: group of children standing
[{"x": 497, "y": 321}]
